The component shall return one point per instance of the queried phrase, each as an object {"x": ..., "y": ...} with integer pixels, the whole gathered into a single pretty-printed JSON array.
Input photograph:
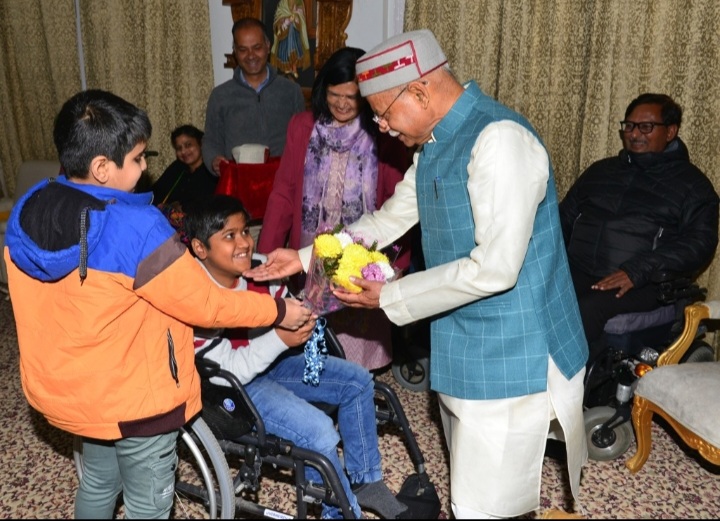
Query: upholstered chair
[{"x": 685, "y": 395}]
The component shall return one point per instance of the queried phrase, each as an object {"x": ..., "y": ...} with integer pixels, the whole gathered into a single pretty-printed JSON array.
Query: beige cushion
[
  {"x": 689, "y": 394},
  {"x": 29, "y": 173}
]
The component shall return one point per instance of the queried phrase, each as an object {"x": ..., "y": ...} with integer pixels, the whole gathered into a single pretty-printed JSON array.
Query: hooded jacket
[
  {"x": 103, "y": 292},
  {"x": 641, "y": 213}
]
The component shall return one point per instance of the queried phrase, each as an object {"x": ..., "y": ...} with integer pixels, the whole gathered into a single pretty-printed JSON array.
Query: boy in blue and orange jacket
[{"x": 103, "y": 295}]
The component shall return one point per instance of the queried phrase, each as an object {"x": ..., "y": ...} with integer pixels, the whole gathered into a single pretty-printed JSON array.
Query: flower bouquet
[{"x": 338, "y": 255}]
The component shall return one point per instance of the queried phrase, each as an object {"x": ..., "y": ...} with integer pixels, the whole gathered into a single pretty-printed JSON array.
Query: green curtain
[
  {"x": 573, "y": 66},
  {"x": 154, "y": 53}
]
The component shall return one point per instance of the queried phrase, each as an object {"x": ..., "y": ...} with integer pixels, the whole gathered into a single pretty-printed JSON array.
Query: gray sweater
[{"x": 236, "y": 115}]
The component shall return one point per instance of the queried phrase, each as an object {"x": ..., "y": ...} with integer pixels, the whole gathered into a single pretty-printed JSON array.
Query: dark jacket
[
  {"x": 178, "y": 184},
  {"x": 641, "y": 213}
]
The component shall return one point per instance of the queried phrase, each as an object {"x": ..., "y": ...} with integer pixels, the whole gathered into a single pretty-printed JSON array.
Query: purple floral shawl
[{"x": 359, "y": 186}]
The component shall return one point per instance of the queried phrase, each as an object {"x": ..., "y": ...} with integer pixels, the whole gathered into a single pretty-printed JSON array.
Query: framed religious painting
[{"x": 303, "y": 33}]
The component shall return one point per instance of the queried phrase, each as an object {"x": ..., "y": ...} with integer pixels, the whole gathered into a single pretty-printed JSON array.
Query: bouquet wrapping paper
[{"x": 318, "y": 292}]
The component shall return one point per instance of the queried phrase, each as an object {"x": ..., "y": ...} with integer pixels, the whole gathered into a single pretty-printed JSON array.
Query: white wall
[{"x": 363, "y": 31}]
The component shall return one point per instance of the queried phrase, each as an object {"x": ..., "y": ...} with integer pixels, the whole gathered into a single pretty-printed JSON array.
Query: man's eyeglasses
[
  {"x": 377, "y": 119},
  {"x": 645, "y": 127}
]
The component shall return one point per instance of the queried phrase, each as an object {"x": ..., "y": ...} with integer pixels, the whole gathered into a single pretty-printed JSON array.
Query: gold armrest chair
[{"x": 684, "y": 394}]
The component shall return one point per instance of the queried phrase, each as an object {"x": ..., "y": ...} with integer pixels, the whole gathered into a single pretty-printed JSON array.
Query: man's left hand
[{"x": 368, "y": 298}]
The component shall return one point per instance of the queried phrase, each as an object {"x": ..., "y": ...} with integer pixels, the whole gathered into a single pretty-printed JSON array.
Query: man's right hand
[
  {"x": 296, "y": 315},
  {"x": 216, "y": 164},
  {"x": 280, "y": 263}
]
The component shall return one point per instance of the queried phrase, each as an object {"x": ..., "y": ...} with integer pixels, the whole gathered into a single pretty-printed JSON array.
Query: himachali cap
[{"x": 399, "y": 60}]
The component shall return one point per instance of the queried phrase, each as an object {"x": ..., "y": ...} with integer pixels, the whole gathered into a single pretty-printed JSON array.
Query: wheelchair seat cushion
[
  {"x": 628, "y": 322},
  {"x": 686, "y": 392}
]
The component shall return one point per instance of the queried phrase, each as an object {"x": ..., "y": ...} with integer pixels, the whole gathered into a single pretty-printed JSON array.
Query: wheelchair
[
  {"x": 632, "y": 344},
  {"x": 230, "y": 427},
  {"x": 241, "y": 434}
]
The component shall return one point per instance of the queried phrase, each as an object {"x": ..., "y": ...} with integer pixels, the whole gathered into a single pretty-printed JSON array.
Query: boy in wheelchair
[{"x": 272, "y": 374}]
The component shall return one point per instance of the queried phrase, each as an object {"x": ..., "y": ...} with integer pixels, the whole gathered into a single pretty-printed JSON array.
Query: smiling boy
[{"x": 273, "y": 375}]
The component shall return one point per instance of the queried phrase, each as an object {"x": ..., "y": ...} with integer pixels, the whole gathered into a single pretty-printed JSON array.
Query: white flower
[
  {"x": 387, "y": 270},
  {"x": 344, "y": 238}
]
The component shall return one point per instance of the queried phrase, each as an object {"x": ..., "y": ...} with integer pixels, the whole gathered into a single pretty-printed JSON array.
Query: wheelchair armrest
[
  {"x": 207, "y": 368},
  {"x": 674, "y": 286},
  {"x": 691, "y": 293}
]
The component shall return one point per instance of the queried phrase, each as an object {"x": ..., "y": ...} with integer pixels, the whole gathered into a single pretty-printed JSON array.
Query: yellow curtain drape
[
  {"x": 157, "y": 55},
  {"x": 154, "y": 53},
  {"x": 39, "y": 69},
  {"x": 572, "y": 66}
]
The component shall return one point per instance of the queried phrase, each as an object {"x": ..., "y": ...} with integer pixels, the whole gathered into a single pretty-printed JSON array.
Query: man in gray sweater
[{"x": 255, "y": 106}]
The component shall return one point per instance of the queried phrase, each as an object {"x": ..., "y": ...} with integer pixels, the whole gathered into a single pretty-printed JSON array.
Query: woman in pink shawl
[{"x": 336, "y": 167}]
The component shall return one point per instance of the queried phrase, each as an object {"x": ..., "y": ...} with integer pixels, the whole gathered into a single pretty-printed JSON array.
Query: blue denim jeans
[{"x": 282, "y": 399}]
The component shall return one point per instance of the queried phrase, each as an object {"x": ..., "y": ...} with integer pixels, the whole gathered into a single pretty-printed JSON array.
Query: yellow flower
[
  {"x": 354, "y": 258},
  {"x": 342, "y": 278},
  {"x": 377, "y": 256},
  {"x": 342, "y": 258},
  {"x": 327, "y": 245}
]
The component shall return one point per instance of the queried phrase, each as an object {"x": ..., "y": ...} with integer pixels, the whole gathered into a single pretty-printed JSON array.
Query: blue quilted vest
[{"x": 495, "y": 347}]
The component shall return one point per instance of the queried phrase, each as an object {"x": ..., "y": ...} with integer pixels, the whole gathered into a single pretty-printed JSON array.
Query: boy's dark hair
[
  {"x": 97, "y": 123},
  {"x": 248, "y": 21},
  {"x": 208, "y": 216},
  {"x": 338, "y": 69},
  {"x": 187, "y": 130},
  {"x": 670, "y": 111}
]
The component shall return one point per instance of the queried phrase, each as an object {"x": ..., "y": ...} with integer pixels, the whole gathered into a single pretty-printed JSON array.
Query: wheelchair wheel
[
  {"x": 413, "y": 374},
  {"x": 203, "y": 485},
  {"x": 699, "y": 351},
  {"x": 615, "y": 443}
]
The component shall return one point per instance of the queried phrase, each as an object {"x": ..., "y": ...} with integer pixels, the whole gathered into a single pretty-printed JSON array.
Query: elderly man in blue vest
[{"x": 507, "y": 345}]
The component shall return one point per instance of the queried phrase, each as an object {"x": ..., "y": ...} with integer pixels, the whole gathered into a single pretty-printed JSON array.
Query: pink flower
[{"x": 373, "y": 272}]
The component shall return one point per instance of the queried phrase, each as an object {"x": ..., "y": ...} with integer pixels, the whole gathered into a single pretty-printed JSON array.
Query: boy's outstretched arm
[{"x": 280, "y": 263}]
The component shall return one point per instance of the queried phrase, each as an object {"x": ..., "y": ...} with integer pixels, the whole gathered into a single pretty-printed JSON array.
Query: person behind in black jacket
[{"x": 647, "y": 209}]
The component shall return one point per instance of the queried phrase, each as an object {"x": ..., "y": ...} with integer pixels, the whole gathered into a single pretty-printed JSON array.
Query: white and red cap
[{"x": 399, "y": 60}]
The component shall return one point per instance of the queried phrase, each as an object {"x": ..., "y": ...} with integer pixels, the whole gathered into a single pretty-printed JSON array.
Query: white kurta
[{"x": 497, "y": 446}]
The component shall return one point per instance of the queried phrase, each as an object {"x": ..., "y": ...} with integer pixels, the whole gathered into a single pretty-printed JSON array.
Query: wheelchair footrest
[{"x": 420, "y": 496}]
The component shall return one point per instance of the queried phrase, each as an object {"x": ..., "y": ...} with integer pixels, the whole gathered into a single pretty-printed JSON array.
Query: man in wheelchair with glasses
[{"x": 629, "y": 217}]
